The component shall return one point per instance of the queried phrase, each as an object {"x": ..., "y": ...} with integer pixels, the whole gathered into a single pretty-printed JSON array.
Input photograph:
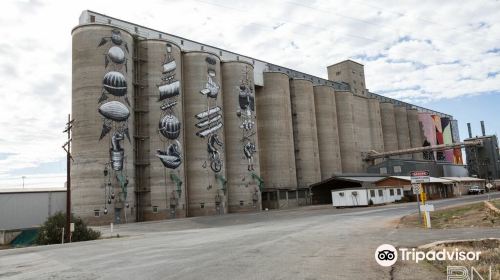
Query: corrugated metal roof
[
  {"x": 464, "y": 179},
  {"x": 361, "y": 179}
]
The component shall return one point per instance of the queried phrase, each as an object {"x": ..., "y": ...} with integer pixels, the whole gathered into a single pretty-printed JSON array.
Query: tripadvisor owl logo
[{"x": 386, "y": 255}]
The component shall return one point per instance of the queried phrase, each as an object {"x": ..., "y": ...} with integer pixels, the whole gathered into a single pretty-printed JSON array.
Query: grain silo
[
  {"x": 243, "y": 169},
  {"x": 160, "y": 137},
  {"x": 350, "y": 155},
  {"x": 388, "y": 126},
  {"x": 102, "y": 172},
  {"x": 376, "y": 125},
  {"x": 415, "y": 131},
  {"x": 305, "y": 133},
  {"x": 403, "y": 132},
  {"x": 362, "y": 129},
  {"x": 274, "y": 123},
  {"x": 204, "y": 133},
  {"x": 328, "y": 134}
]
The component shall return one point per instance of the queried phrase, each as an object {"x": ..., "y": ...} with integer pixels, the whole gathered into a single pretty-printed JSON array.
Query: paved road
[{"x": 308, "y": 243}]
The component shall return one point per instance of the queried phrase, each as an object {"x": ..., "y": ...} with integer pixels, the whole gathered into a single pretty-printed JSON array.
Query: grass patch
[
  {"x": 490, "y": 256},
  {"x": 496, "y": 202},
  {"x": 471, "y": 215}
]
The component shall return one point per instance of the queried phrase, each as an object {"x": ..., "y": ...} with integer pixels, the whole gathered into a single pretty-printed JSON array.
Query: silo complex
[
  {"x": 415, "y": 132},
  {"x": 102, "y": 172},
  {"x": 403, "y": 132},
  {"x": 328, "y": 135},
  {"x": 350, "y": 155},
  {"x": 243, "y": 168},
  {"x": 159, "y": 126},
  {"x": 305, "y": 133},
  {"x": 274, "y": 123},
  {"x": 388, "y": 126},
  {"x": 204, "y": 133},
  {"x": 167, "y": 127}
]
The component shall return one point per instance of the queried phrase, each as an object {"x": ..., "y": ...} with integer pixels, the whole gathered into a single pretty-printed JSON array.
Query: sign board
[
  {"x": 415, "y": 188},
  {"x": 72, "y": 227},
  {"x": 418, "y": 177},
  {"x": 427, "y": 207},
  {"x": 489, "y": 185}
]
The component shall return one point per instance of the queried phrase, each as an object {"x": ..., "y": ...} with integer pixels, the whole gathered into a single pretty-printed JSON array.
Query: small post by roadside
[{"x": 417, "y": 178}]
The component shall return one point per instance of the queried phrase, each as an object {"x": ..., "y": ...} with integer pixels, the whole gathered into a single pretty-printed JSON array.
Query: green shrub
[{"x": 51, "y": 231}]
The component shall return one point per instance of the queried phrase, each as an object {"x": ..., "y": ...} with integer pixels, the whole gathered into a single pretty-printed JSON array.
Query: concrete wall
[
  {"x": 241, "y": 133},
  {"x": 403, "y": 132},
  {"x": 206, "y": 192},
  {"x": 158, "y": 189},
  {"x": 389, "y": 126},
  {"x": 91, "y": 155},
  {"x": 305, "y": 133},
  {"x": 328, "y": 134},
  {"x": 415, "y": 132},
  {"x": 274, "y": 122},
  {"x": 350, "y": 155},
  {"x": 29, "y": 209}
]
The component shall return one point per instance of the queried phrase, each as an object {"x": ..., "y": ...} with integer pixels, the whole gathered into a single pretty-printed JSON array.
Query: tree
[{"x": 51, "y": 231}]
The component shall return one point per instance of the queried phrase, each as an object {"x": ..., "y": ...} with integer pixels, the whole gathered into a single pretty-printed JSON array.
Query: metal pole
[
  {"x": 418, "y": 205},
  {"x": 68, "y": 181}
]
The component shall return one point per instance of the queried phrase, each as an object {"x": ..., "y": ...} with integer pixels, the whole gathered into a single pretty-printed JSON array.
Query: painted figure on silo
[
  {"x": 246, "y": 113},
  {"x": 169, "y": 126},
  {"x": 115, "y": 116}
]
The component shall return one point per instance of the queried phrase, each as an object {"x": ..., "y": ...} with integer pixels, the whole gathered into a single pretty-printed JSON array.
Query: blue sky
[{"x": 444, "y": 55}]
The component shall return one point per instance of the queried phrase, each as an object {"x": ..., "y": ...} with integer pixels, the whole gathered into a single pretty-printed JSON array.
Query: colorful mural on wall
[
  {"x": 455, "y": 135},
  {"x": 210, "y": 120},
  {"x": 439, "y": 136},
  {"x": 169, "y": 126},
  {"x": 447, "y": 138},
  {"x": 429, "y": 130},
  {"x": 115, "y": 116}
]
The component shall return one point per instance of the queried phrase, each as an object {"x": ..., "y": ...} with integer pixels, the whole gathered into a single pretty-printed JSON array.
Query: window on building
[
  {"x": 380, "y": 193},
  {"x": 372, "y": 193},
  {"x": 242, "y": 202},
  {"x": 391, "y": 192},
  {"x": 97, "y": 213},
  {"x": 337, "y": 74},
  {"x": 341, "y": 193},
  {"x": 202, "y": 205},
  {"x": 155, "y": 209},
  {"x": 398, "y": 191},
  {"x": 92, "y": 18},
  {"x": 383, "y": 170}
]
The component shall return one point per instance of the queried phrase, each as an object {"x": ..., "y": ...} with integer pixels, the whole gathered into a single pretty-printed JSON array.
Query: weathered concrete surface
[{"x": 307, "y": 243}]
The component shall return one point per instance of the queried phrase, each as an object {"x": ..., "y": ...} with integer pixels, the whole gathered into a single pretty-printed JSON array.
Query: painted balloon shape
[
  {"x": 115, "y": 83},
  {"x": 115, "y": 111},
  {"x": 170, "y": 127},
  {"x": 116, "y": 37},
  {"x": 116, "y": 55}
]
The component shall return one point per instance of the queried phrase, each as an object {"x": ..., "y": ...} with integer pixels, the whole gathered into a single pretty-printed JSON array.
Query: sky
[{"x": 443, "y": 55}]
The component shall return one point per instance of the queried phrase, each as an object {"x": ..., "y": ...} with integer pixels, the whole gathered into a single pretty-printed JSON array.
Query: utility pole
[
  {"x": 23, "y": 180},
  {"x": 67, "y": 148}
]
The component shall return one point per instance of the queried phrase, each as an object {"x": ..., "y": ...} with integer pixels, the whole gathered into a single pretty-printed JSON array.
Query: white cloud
[{"x": 419, "y": 51}]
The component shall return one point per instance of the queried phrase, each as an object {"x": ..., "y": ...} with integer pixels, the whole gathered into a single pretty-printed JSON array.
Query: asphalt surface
[{"x": 305, "y": 243}]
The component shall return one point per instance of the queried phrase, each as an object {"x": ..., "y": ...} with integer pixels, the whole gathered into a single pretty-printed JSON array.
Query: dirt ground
[
  {"x": 490, "y": 256},
  {"x": 472, "y": 215}
]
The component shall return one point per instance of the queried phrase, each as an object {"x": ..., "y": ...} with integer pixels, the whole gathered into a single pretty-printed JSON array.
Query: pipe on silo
[
  {"x": 350, "y": 155},
  {"x": 403, "y": 132},
  {"x": 204, "y": 133},
  {"x": 242, "y": 147},
  {"x": 275, "y": 132},
  {"x": 483, "y": 130},
  {"x": 469, "y": 129},
  {"x": 328, "y": 134},
  {"x": 161, "y": 69},
  {"x": 91, "y": 75},
  {"x": 389, "y": 126},
  {"x": 305, "y": 133}
]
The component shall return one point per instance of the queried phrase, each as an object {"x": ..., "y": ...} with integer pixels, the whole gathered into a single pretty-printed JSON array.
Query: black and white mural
[
  {"x": 113, "y": 106},
  {"x": 209, "y": 121},
  {"x": 169, "y": 126},
  {"x": 246, "y": 114}
]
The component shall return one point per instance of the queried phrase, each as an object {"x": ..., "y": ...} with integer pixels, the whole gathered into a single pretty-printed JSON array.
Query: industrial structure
[{"x": 167, "y": 127}]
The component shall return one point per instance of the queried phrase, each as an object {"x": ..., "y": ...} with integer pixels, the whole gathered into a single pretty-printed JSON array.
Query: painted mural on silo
[
  {"x": 429, "y": 130},
  {"x": 439, "y": 136},
  {"x": 455, "y": 135},
  {"x": 447, "y": 138},
  {"x": 115, "y": 115}
]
